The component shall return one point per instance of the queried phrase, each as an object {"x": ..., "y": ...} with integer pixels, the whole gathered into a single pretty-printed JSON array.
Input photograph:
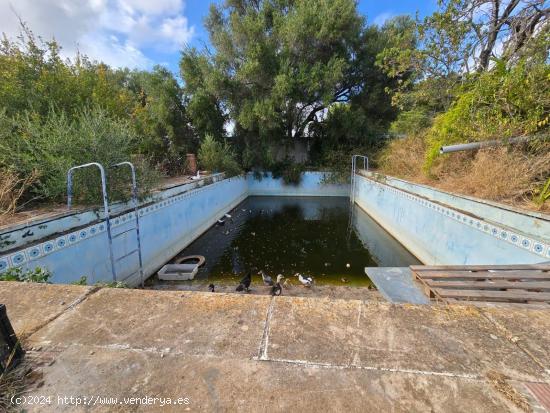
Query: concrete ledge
[
  {"x": 31, "y": 306},
  {"x": 229, "y": 352},
  {"x": 396, "y": 284}
]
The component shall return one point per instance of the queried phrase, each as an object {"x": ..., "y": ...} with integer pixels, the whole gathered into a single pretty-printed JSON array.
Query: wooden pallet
[{"x": 489, "y": 283}]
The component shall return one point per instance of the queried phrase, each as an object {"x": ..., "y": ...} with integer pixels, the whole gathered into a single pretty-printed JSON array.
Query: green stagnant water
[{"x": 287, "y": 235}]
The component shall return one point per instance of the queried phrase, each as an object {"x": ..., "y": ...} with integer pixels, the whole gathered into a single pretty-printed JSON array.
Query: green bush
[
  {"x": 499, "y": 104},
  {"x": 52, "y": 145},
  {"x": 36, "y": 275},
  {"x": 216, "y": 156},
  {"x": 288, "y": 170}
]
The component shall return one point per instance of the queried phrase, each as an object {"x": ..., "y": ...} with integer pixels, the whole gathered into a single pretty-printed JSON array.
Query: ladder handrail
[
  {"x": 353, "y": 169},
  {"x": 105, "y": 204},
  {"x": 135, "y": 202}
]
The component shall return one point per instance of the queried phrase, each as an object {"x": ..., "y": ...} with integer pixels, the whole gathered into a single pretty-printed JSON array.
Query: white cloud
[
  {"x": 118, "y": 32},
  {"x": 382, "y": 18}
]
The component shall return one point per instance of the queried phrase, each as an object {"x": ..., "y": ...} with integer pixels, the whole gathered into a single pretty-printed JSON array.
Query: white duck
[{"x": 306, "y": 281}]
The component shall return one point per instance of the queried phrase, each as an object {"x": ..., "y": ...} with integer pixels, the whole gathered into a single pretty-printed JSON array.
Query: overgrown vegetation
[
  {"x": 290, "y": 85},
  {"x": 36, "y": 275},
  {"x": 13, "y": 382},
  {"x": 283, "y": 72},
  {"x": 218, "y": 156},
  {"x": 479, "y": 71},
  {"x": 57, "y": 113}
]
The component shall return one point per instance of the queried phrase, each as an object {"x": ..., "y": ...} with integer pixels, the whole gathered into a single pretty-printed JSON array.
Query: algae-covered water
[{"x": 286, "y": 235}]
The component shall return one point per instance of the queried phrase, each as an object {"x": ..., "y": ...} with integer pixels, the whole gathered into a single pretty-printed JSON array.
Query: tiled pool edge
[
  {"x": 433, "y": 232},
  {"x": 161, "y": 240},
  {"x": 84, "y": 250},
  {"x": 440, "y": 234}
]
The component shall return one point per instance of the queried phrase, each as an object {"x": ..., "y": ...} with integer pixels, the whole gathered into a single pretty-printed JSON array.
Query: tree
[
  {"x": 160, "y": 117},
  {"x": 277, "y": 67}
]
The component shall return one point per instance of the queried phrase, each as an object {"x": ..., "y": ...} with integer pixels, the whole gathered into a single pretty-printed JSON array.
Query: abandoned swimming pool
[
  {"x": 314, "y": 236},
  {"x": 434, "y": 226}
]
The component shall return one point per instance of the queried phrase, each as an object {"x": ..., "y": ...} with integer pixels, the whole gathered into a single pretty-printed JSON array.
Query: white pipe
[{"x": 484, "y": 144}]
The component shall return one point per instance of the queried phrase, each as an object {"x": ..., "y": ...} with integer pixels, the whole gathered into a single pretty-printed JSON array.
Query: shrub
[
  {"x": 49, "y": 147},
  {"x": 542, "y": 194},
  {"x": 288, "y": 170},
  {"x": 498, "y": 104},
  {"x": 36, "y": 275},
  {"x": 338, "y": 165},
  {"x": 216, "y": 156},
  {"x": 12, "y": 189},
  {"x": 403, "y": 157}
]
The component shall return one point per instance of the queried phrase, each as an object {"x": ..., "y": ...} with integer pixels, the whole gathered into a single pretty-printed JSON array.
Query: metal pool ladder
[
  {"x": 353, "y": 171},
  {"x": 114, "y": 260}
]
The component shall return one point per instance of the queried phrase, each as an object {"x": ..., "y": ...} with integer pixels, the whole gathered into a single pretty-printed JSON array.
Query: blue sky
[{"x": 142, "y": 33}]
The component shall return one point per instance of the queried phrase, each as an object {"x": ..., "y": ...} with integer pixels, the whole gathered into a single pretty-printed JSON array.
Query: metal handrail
[
  {"x": 105, "y": 204},
  {"x": 353, "y": 172},
  {"x": 135, "y": 202}
]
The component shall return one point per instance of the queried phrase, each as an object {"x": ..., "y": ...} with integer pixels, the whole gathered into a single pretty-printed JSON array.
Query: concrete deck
[{"x": 228, "y": 352}]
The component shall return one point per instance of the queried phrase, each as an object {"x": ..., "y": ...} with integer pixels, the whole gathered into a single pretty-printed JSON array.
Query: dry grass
[
  {"x": 504, "y": 174},
  {"x": 14, "y": 381},
  {"x": 404, "y": 158},
  {"x": 500, "y": 383},
  {"x": 11, "y": 189}
]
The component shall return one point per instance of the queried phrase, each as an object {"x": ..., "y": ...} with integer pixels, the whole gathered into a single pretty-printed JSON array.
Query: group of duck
[{"x": 276, "y": 287}]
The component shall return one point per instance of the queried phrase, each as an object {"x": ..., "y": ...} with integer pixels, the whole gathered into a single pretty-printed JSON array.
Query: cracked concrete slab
[
  {"x": 452, "y": 340},
  {"x": 530, "y": 328},
  {"x": 190, "y": 323},
  {"x": 31, "y": 305},
  {"x": 220, "y": 384},
  {"x": 229, "y": 352}
]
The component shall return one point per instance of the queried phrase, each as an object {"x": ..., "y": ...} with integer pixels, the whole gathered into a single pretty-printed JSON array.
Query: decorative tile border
[
  {"x": 37, "y": 251},
  {"x": 515, "y": 238}
]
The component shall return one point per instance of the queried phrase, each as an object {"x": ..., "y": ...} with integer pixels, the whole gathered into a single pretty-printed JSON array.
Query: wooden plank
[
  {"x": 488, "y": 285},
  {"x": 541, "y": 267},
  {"x": 484, "y": 295},
  {"x": 502, "y": 275}
]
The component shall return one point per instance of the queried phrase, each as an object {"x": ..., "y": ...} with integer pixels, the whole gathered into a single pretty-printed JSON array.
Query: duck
[
  {"x": 244, "y": 284},
  {"x": 306, "y": 281},
  {"x": 277, "y": 289},
  {"x": 211, "y": 288},
  {"x": 267, "y": 279}
]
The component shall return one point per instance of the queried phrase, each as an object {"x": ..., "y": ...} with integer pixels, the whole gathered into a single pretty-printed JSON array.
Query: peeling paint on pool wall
[
  {"x": 437, "y": 227},
  {"x": 459, "y": 231},
  {"x": 167, "y": 226}
]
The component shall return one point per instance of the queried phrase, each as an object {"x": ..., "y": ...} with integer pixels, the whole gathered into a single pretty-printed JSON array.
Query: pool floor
[{"x": 289, "y": 235}]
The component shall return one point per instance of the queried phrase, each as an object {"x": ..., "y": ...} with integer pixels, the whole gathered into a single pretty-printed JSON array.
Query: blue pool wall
[
  {"x": 75, "y": 244},
  {"x": 435, "y": 226},
  {"x": 311, "y": 184},
  {"x": 167, "y": 226},
  {"x": 442, "y": 228}
]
